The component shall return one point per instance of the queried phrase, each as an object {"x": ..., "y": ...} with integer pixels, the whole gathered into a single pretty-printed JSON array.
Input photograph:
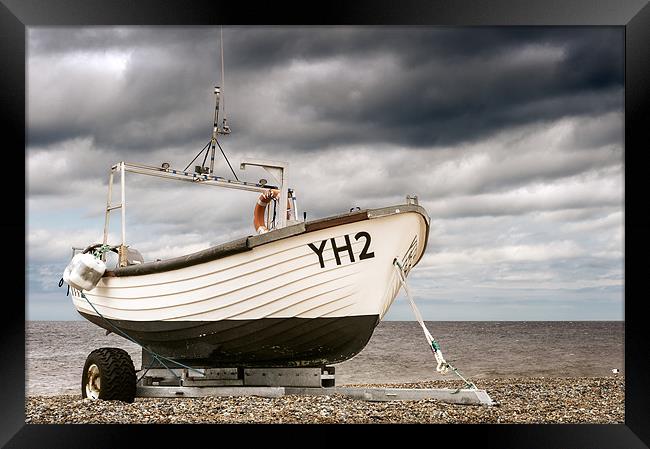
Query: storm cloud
[
  {"x": 511, "y": 137},
  {"x": 138, "y": 89}
]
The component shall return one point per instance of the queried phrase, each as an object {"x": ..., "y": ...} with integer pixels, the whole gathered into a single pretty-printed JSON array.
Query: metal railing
[{"x": 279, "y": 170}]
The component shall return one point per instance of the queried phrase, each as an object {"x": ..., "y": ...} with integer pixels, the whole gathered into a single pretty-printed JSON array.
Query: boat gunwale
[{"x": 248, "y": 243}]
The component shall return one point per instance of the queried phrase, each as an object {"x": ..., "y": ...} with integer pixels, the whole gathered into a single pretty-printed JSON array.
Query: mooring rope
[
  {"x": 155, "y": 355},
  {"x": 443, "y": 366}
]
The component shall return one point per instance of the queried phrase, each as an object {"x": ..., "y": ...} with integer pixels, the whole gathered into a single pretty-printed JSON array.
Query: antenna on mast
[{"x": 225, "y": 129}]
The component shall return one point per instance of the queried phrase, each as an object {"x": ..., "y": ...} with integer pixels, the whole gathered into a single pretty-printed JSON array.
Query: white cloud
[
  {"x": 510, "y": 253},
  {"x": 48, "y": 245},
  {"x": 588, "y": 190},
  {"x": 613, "y": 221}
]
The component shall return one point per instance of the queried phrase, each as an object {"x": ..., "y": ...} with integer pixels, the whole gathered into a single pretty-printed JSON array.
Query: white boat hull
[{"x": 311, "y": 297}]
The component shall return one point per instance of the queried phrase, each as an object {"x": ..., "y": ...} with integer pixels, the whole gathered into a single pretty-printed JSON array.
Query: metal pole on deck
[
  {"x": 215, "y": 129},
  {"x": 284, "y": 195},
  {"x": 123, "y": 206},
  {"x": 108, "y": 206}
]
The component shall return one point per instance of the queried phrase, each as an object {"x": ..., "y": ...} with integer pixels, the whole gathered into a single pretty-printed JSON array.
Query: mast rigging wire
[
  {"x": 199, "y": 153},
  {"x": 205, "y": 158},
  {"x": 226, "y": 157}
]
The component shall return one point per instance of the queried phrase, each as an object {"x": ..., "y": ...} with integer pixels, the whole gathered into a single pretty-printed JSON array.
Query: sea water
[{"x": 397, "y": 352}]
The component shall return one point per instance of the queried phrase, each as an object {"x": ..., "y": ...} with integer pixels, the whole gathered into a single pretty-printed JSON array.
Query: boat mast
[
  {"x": 223, "y": 83},
  {"x": 215, "y": 130},
  {"x": 225, "y": 129}
]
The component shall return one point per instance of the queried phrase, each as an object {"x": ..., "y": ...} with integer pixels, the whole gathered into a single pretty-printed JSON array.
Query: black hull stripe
[
  {"x": 313, "y": 332},
  {"x": 268, "y": 342}
]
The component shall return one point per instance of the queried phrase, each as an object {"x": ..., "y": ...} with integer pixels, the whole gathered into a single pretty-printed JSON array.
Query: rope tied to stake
[{"x": 442, "y": 365}]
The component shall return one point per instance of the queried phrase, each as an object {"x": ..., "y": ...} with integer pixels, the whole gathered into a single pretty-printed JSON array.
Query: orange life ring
[
  {"x": 260, "y": 208},
  {"x": 258, "y": 214}
]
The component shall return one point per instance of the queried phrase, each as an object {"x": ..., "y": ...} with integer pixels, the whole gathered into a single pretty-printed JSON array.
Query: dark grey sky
[{"x": 511, "y": 137}]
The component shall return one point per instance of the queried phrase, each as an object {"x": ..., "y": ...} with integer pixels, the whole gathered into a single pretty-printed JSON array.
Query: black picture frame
[{"x": 634, "y": 16}]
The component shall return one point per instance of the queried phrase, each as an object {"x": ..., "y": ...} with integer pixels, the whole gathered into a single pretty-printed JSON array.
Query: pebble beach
[{"x": 532, "y": 400}]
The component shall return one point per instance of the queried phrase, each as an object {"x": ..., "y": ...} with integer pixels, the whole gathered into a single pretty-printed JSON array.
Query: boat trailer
[{"x": 278, "y": 382}]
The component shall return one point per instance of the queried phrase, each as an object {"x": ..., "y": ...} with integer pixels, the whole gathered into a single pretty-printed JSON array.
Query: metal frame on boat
[{"x": 275, "y": 168}]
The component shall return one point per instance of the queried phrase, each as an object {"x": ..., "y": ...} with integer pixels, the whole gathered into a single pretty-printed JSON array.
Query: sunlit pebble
[{"x": 533, "y": 400}]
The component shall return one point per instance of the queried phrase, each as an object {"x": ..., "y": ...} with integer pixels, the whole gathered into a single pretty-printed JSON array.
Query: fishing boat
[
  {"x": 292, "y": 293},
  {"x": 306, "y": 294}
]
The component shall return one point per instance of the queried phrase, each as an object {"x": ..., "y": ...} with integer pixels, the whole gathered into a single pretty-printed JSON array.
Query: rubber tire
[{"x": 117, "y": 374}]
